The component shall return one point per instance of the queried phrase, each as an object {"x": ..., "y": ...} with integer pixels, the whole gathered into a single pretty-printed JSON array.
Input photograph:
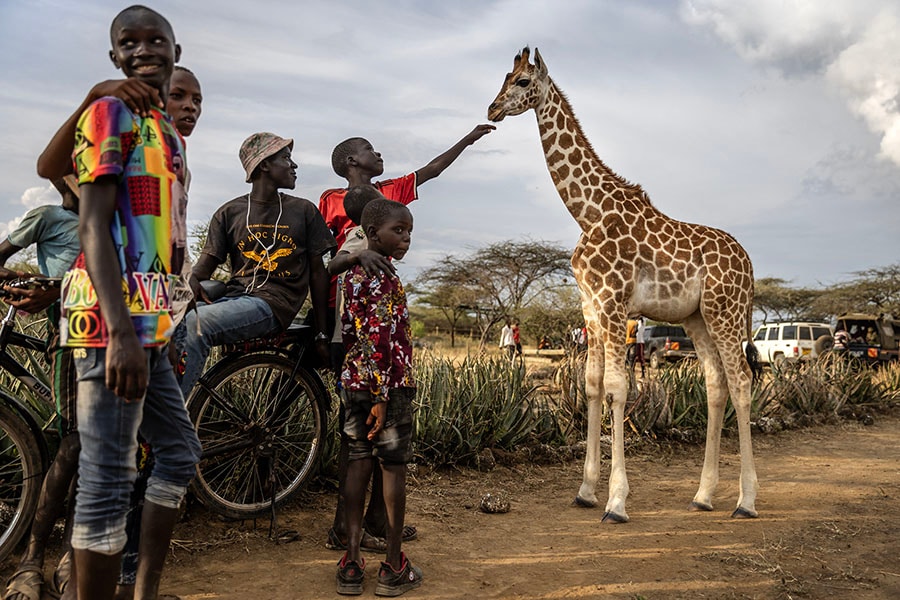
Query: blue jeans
[
  {"x": 228, "y": 320},
  {"x": 109, "y": 427}
]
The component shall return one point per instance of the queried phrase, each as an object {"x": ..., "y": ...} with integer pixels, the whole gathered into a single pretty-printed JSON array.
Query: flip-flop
[
  {"x": 369, "y": 542},
  {"x": 410, "y": 533},
  {"x": 27, "y": 582},
  {"x": 61, "y": 576}
]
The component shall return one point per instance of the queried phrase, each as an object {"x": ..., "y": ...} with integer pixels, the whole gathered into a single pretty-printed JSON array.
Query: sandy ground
[{"x": 828, "y": 502}]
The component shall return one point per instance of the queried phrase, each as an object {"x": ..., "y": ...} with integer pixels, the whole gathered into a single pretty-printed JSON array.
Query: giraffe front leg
[
  {"x": 593, "y": 376},
  {"x": 616, "y": 384},
  {"x": 746, "y": 506}
]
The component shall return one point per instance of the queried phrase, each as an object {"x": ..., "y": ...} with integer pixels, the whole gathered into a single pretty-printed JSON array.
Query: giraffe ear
[{"x": 539, "y": 64}]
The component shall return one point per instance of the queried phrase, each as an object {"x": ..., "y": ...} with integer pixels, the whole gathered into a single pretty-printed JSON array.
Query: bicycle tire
[
  {"x": 256, "y": 425},
  {"x": 21, "y": 476}
]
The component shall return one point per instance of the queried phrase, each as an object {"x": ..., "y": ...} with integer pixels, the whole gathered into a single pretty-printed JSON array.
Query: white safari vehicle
[{"x": 789, "y": 341}]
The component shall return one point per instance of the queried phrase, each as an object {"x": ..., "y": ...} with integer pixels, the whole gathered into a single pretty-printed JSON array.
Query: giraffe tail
[
  {"x": 750, "y": 351},
  {"x": 753, "y": 361}
]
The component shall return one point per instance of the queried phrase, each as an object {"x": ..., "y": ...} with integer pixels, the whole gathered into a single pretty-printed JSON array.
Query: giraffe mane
[{"x": 585, "y": 145}]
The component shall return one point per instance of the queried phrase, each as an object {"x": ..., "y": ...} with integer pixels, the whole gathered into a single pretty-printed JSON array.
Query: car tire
[
  {"x": 778, "y": 360},
  {"x": 654, "y": 360},
  {"x": 823, "y": 344}
]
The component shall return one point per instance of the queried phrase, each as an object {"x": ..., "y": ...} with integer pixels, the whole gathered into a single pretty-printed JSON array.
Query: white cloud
[
  {"x": 868, "y": 74},
  {"x": 855, "y": 43},
  {"x": 31, "y": 198}
]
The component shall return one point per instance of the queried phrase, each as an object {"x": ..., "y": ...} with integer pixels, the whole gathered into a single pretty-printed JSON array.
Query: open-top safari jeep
[{"x": 874, "y": 340}]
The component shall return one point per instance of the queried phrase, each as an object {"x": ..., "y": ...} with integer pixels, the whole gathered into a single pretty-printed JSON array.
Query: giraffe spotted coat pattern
[{"x": 632, "y": 260}]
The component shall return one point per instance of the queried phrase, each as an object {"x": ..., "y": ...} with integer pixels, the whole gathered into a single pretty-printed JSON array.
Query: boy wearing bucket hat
[{"x": 274, "y": 243}]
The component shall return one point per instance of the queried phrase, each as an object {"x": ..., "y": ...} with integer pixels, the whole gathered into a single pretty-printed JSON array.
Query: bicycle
[
  {"x": 25, "y": 437},
  {"x": 260, "y": 412}
]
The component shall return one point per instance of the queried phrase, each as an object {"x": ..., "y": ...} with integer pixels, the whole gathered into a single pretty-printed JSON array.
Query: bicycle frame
[
  {"x": 10, "y": 337},
  {"x": 292, "y": 344}
]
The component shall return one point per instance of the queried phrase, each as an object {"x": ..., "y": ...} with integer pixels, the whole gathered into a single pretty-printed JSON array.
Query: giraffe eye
[{"x": 523, "y": 82}]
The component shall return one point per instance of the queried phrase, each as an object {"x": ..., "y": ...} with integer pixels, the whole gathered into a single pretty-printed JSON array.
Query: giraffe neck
[{"x": 581, "y": 178}]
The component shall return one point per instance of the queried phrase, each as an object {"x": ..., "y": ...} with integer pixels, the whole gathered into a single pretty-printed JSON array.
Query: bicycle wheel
[
  {"x": 21, "y": 474},
  {"x": 261, "y": 431}
]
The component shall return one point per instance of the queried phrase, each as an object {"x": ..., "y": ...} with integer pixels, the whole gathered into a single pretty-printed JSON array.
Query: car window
[
  {"x": 678, "y": 332},
  {"x": 805, "y": 333},
  {"x": 773, "y": 333},
  {"x": 789, "y": 332},
  {"x": 820, "y": 331},
  {"x": 760, "y": 334}
]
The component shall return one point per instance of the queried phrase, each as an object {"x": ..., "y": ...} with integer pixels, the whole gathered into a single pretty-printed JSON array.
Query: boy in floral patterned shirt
[{"x": 377, "y": 395}]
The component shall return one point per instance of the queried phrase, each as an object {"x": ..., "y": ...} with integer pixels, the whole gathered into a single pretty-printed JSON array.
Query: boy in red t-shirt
[{"x": 356, "y": 160}]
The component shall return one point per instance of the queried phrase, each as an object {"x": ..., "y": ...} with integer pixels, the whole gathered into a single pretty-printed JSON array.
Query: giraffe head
[{"x": 523, "y": 88}]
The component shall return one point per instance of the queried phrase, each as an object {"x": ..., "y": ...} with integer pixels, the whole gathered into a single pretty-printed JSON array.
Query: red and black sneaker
[
  {"x": 350, "y": 577},
  {"x": 395, "y": 583}
]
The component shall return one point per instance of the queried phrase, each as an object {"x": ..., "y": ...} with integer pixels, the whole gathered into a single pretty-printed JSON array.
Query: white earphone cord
[{"x": 252, "y": 286}]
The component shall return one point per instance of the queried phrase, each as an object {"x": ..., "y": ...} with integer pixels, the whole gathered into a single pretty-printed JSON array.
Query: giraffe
[{"x": 632, "y": 259}]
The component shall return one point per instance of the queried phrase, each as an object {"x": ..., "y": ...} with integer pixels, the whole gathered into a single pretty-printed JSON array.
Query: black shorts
[{"x": 393, "y": 445}]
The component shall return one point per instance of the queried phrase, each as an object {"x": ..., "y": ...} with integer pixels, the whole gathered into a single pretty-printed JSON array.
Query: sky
[{"x": 775, "y": 120}]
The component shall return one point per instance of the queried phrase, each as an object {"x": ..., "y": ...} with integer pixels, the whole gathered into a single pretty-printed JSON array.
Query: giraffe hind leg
[
  {"x": 593, "y": 374},
  {"x": 717, "y": 395}
]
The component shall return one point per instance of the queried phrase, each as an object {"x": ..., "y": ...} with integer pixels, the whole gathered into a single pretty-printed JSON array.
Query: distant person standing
[
  {"x": 507, "y": 342},
  {"x": 641, "y": 338},
  {"x": 630, "y": 343},
  {"x": 516, "y": 338}
]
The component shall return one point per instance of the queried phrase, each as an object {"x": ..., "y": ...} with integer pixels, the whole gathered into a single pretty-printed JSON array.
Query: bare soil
[{"x": 828, "y": 504}]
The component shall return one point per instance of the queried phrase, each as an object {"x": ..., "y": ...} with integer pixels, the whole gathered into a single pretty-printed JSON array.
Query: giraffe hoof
[
  {"x": 743, "y": 513},
  {"x": 582, "y": 503},
  {"x": 699, "y": 507},
  {"x": 613, "y": 518}
]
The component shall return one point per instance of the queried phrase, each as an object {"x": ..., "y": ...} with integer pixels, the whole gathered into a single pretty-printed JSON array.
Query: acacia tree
[
  {"x": 495, "y": 281},
  {"x": 773, "y": 298},
  {"x": 875, "y": 291},
  {"x": 449, "y": 299},
  {"x": 555, "y": 313}
]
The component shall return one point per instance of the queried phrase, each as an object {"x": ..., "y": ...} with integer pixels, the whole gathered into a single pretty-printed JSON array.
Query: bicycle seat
[{"x": 213, "y": 288}]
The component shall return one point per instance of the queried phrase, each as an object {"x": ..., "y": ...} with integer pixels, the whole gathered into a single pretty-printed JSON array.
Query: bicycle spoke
[
  {"x": 223, "y": 404},
  {"x": 261, "y": 430}
]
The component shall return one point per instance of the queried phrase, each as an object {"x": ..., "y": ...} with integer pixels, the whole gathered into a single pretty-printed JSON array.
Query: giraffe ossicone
[{"x": 632, "y": 260}]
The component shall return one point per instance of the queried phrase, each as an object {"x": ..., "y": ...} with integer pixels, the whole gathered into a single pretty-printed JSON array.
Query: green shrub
[{"x": 482, "y": 402}]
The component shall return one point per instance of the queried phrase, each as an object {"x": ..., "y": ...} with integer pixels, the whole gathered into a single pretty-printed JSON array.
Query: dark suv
[{"x": 667, "y": 343}]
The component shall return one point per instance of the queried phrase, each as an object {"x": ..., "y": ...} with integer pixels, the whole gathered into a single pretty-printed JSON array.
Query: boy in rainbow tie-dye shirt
[{"x": 117, "y": 315}]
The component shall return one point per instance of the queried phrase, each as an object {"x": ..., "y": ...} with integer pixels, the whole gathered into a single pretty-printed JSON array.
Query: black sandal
[{"x": 369, "y": 542}]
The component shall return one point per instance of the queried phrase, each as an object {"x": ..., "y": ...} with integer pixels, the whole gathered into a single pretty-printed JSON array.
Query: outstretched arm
[
  {"x": 439, "y": 163},
  {"x": 56, "y": 159}
]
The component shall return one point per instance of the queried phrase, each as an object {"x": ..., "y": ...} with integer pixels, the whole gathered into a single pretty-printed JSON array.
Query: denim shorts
[
  {"x": 393, "y": 445},
  {"x": 108, "y": 427}
]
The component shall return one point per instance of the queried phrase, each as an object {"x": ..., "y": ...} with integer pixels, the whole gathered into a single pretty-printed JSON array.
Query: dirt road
[{"x": 828, "y": 503}]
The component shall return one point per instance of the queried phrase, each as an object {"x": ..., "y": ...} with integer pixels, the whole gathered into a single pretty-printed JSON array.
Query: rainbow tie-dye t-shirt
[{"x": 147, "y": 157}]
